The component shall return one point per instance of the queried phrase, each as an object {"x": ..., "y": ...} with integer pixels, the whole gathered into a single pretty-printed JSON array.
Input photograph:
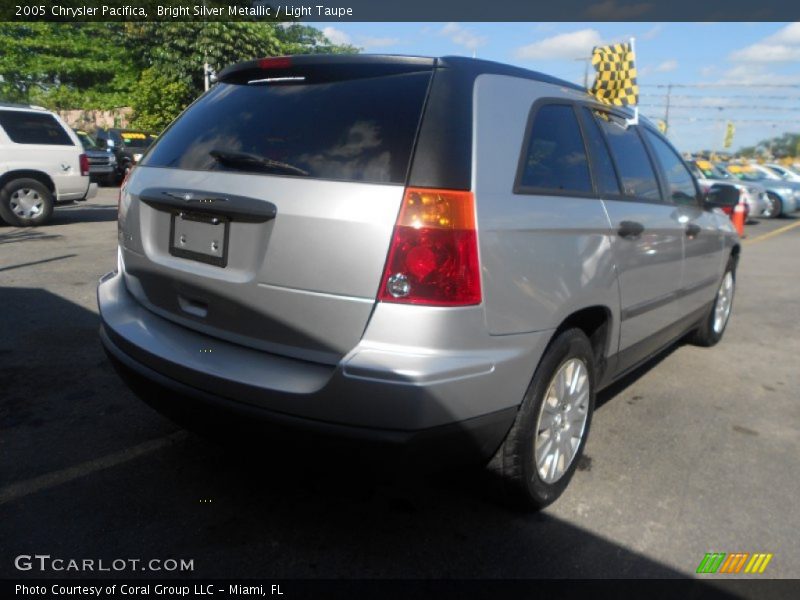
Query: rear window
[
  {"x": 354, "y": 130},
  {"x": 133, "y": 139},
  {"x": 33, "y": 128}
]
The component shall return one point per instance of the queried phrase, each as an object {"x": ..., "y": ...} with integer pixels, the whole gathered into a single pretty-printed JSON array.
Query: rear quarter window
[
  {"x": 554, "y": 157},
  {"x": 33, "y": 128},
  {"x": 354, "y": 130}
]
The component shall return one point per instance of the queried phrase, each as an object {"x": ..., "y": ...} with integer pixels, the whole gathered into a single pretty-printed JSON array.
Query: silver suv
[{"x": 410, "y": 250}]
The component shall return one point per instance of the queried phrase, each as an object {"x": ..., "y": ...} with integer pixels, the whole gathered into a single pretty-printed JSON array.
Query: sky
[{"x": 751, "y": 71}]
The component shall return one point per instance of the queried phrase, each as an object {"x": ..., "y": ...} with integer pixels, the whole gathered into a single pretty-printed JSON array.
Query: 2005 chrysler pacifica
[{"x": 402, "y": 249}]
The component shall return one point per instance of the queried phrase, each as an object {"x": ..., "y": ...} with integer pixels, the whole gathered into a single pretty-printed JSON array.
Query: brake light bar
[{"x": 277, "y": 62}]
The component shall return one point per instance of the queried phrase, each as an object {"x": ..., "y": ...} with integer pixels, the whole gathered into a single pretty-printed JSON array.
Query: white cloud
[
  {"x": 667, "y": 66},
  {"x": 782, "y": 46},
  {"x": 787, "y": 35},
  {"x": 708, "y": 70},
  {"x": 755, "y": 75},
  {"x": 336, "y": 36},
  {"x": 576, "y": 44},
  {"x": 765, "y": 53},
  {"x": 376, "y": 42},
  {"x": 653, "y": 33},
  {"x": 462, "y": 36}
]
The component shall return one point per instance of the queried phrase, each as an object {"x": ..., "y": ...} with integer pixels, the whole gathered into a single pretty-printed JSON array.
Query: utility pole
[{"x": 666, "y": 112}]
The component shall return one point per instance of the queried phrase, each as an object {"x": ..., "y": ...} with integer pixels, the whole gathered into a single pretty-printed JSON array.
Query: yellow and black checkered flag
[{"x": 615, "y": 82}]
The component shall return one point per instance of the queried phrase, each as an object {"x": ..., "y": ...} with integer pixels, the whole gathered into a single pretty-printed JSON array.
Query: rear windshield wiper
[{"x": 245, "y": 159}]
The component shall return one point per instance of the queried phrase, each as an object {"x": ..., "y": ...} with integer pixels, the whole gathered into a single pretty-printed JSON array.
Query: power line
[
  {"x": 723, "y": 119},
  {"x": 735, "y": 96},
  {"x": 721, "y": 107},
  {"x": 721, "y": 85}
]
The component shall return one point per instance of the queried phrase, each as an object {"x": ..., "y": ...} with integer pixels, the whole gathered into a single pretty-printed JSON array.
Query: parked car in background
[
  {"x": 449, "y": 255},
  {"x": 102, "y": 161},
  {"x": 783, "y": 196},
  {"x": 42, "y": 163},
  {"x": 786, "y": 173},
  {"x": 128, "y": 145},
  {"x": 753, "y": 194}
]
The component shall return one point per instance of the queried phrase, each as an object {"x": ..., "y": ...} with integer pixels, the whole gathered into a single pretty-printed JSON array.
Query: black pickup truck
[{"x": 128, "y": 145}]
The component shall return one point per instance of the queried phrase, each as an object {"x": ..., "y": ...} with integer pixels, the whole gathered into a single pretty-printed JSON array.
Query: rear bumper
[
  {"x": 97, "y": 172},
  {"x": 91, "y": 192},
  {"x": 371, "y": 398},
  {"x": 470, "y": 441}
]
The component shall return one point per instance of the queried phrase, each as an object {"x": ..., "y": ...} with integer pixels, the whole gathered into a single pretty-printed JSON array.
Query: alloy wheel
[{"x": 562, "y": 420}]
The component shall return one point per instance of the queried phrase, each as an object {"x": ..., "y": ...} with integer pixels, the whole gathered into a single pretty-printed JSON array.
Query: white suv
[{"x": 41, "y": 163}]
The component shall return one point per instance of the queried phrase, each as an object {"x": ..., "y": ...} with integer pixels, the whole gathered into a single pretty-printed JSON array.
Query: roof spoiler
[{"x": 323, "y": 67}]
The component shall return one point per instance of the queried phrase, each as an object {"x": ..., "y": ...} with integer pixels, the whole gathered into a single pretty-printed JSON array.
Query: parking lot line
[
  {"x": 21, "y": 489},
  {"x": 761, "y": 238}
]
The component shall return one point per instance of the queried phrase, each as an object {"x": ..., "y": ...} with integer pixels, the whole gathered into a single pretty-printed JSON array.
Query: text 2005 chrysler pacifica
[{"x": 401, "y": 249}]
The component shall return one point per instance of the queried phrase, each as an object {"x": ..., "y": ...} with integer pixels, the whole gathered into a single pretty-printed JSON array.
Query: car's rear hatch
[{"x": 263, "y": 215}]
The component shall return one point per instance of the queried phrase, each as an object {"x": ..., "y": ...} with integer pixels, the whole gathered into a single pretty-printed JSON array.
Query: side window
[
  {"x": 33, "y": 128},
  {"x": 555, "y": 157},
  {"x": 635, "y": 170},
  {"x": 605, "y": 176},
  {"x": 679, "y": 180}
]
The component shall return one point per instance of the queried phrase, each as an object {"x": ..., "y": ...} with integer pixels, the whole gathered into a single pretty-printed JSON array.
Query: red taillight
[
  {"x": 433, "y": 257},
  {"x": 278, "y": 62},
  {"x": 84, "y": 162}
]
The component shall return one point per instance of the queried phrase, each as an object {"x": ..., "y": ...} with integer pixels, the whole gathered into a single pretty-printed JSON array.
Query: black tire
[
  {"x": 32, "y": 191},
  {"x": 514, "y": 462},
  {"x": 777, "y": 206},
  {"x": 706, "y": 334}
]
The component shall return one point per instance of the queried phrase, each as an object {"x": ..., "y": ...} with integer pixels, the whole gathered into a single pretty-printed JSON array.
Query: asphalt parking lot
[{"x": 696, "y": 453}]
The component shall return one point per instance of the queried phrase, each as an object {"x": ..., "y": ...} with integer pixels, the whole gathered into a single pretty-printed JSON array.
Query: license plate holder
[{"x": 201, "y": 237}]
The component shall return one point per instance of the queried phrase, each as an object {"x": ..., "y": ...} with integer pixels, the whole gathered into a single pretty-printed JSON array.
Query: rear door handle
[
  {"x": 693, "y": 230},
  {"x": 630, "y": 230}
]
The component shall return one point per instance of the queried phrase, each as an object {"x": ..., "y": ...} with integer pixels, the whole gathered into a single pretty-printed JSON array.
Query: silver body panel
[
  {"x": 302, "y": 285},
  {"x": 292, "y": 324}
]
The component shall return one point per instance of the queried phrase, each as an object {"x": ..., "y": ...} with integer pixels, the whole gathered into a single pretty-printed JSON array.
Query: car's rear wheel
[
  {"x": 541, "y": 451},
  {"x": 713, "y": 326},
  {"x": 25, "y": 203},
  {"x": 774, "y": 206}
]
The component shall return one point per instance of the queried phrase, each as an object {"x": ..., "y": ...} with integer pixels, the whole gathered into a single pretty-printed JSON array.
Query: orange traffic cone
[{"x": 738, "y": 218}]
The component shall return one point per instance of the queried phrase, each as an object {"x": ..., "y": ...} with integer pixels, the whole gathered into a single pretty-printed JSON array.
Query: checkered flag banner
[{"x": 615, "y": 82}]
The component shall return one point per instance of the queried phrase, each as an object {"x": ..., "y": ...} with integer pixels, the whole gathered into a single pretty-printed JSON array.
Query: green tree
[
  {"x": 303, "y": 39},
  {"x": 178, "y": 51},
  {"x": 155, "y": 67},
  {"x": 157, "y": 100},
  {"x": 65, "y": 65}
]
